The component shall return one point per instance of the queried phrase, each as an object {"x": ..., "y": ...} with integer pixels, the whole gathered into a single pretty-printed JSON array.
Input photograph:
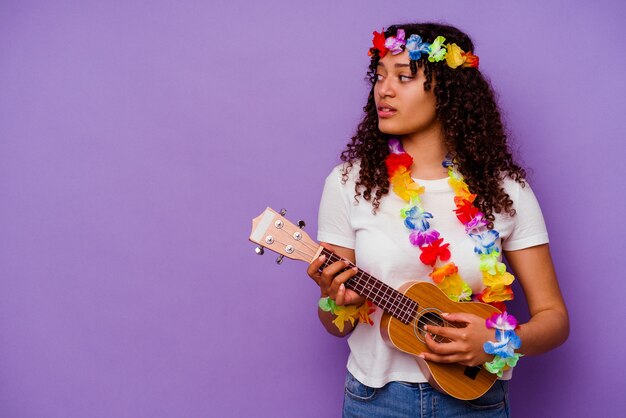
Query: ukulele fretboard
[{"x": 387, "y": 298}]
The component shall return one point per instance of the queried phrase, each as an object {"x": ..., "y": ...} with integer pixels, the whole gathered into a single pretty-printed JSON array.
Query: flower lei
[
  {"x": 496, "y": 279},
  {"x": 503, "y": 349},
  {"x": 347, "y": 313},
  {"x": 436, "y": 51}
]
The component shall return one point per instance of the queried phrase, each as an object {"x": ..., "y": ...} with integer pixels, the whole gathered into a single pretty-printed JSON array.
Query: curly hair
[{"x": 473, "y": 130}]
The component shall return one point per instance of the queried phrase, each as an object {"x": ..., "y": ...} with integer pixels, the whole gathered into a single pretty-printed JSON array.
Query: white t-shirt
[{"x": 382, "y": 249}]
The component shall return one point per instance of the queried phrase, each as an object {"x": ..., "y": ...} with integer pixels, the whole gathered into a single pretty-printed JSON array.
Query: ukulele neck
[{"x": 385, "y": 297}]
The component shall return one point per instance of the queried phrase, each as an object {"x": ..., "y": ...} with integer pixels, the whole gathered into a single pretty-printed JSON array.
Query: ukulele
[{"x": 406, "y": 311}]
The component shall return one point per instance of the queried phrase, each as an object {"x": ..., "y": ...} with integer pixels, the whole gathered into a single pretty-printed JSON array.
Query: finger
[
  {"x": 316, "y": 265},
  {"x": 353, "y": 298},
  {"x": 330, "y": 272},
  {"x": 341, "y": 278},
  {"x": 451, "y": 333},
  {"x": 460, "y": 317},
  {"x": 335, "y": 276},
  {"x": 341, "y": 295},
  {"x": 438, "y": 358},
  {"x": 313, "y": 269},
  {"x": 441, "y": 348},
  {"x": 334, "y": 268}
]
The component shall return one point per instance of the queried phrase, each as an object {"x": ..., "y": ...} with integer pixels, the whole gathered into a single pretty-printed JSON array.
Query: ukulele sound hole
[{"x": 429, "y": 318}]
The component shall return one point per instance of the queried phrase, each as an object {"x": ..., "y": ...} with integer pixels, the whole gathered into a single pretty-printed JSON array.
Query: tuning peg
[
  {"x": 259, "y": 250},
  {"x": 283, "y": 211},
  {"x": 301, "y": 224},
  {"x": 279, "y": 260}
]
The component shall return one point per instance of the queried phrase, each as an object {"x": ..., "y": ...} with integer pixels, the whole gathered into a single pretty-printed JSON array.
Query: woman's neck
[{"x": 428, "y": 151}]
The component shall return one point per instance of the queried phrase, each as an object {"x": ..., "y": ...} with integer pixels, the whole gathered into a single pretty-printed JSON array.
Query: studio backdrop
[{"x": 138, "y": 139}]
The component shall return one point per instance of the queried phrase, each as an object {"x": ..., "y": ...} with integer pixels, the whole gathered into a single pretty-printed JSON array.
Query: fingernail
[
  {"x": 322, "y": 258},
  {"x": 342, "y": 287},
  {"x": 445, "y": 314},
  {"x": 346, "y": 262},
  {"x": 425, "y": 327},
  {"x": 355, "y": 269},
  {"x": 421, "y": 356}
]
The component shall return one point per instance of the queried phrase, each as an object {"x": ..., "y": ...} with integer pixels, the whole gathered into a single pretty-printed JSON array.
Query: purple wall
[{"x": 138, "y": 141}]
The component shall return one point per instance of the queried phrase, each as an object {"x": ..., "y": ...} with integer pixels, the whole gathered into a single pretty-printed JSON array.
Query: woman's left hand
[{"x": 466, "y": 342}]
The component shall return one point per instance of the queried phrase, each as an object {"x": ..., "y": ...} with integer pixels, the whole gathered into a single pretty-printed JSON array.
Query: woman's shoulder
[
  {"x": 517, "y": 189},
  {"x": 525, "y": 202},
  {"x": 527, "y": 227},
  {"x": 346, "y": 172}
]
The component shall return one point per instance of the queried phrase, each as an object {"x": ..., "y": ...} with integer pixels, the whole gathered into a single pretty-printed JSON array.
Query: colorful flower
[
  {"x": 404, "y": 186},
  {"x": 438, "y": 274},
  {"x": 395, "y": 147},
  {"x": 379, "y": 44},
  {"x": 364, "y": 312},
  {"x": 455, "y": 288},
  {"x": 419, "y": 238},
  {"x": 499, "y": 364},
  {"x": 497, "y": 280},
  {"x": 437, "y": 50},
  {"x": 461, "y": 191},
  {"x": 343, "y": 314},
  {"x": 485, "y": 241},
  {"x": 397, "y": 161},
  {"x": 507, "y": 342},
  {"x": 447, "y": 162},
  {"x": 327, "y": 304},
  {"x": 434, "y": 250},
  {"x": 396, "y": 43},
  {"x": 348, "y": 313},
  {"x": 416, "y": 47},
  {"x": 454, "y": 57},
  {"x": 502, "y": 321},
  {"x": 471, "y": 60},
  {"x": 464, "y": 195},
  {"x": 416, "y": 218},
  {"x": 499, "y": 294},
  {"x": 465, "y": 210},
  {"x": 477, "y": 222},
  {"x": 490, "y": 263}
]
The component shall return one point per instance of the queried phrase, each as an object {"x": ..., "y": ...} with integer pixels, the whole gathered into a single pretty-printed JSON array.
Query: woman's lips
[{"x": 386, "y": 111}]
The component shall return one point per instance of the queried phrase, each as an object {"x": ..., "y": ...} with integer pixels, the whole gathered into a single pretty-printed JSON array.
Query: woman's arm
[
  {"x": 548, "y": 326},
  {"x": 330, "y": 281}
]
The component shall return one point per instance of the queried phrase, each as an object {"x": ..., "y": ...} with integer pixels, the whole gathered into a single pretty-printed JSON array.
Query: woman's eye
[
  {"x": 378, "y": 77},
  {"x": 405, "y": 78}
]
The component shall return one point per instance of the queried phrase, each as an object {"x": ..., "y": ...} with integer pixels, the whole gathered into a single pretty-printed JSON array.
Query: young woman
[{"x": 429, "y": 191}]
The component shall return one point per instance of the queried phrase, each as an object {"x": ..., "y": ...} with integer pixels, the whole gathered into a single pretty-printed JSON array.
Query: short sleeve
[
  {"x": 529, "y": 228},
  {"x": 333, "y": 222}
]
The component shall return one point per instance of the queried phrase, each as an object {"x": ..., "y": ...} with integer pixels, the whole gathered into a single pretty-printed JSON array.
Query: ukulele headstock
[{"x": 272, "y": 231}]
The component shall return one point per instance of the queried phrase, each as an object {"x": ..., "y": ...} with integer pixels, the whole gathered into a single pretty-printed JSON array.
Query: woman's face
[{"x": 404, "y": 108}]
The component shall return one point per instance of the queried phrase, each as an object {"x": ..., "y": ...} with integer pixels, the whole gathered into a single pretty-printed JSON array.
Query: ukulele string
[
  {"x": 404, "y": 306},
  {"x": 405, "y": 309}
]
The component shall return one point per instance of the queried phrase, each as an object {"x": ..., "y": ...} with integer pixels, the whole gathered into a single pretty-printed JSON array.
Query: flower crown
[{"x": 437, "y": 51}]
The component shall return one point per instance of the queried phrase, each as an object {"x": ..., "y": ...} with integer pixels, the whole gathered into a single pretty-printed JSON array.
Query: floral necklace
[{"x": 496, "y": 279}]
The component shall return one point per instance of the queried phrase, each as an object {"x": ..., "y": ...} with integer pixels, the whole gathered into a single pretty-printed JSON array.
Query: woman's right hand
[{"x": 332, "y": 278}]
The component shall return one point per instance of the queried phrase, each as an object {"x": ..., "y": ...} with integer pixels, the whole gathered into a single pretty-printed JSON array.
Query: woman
[{"x": 429, "y": 191}]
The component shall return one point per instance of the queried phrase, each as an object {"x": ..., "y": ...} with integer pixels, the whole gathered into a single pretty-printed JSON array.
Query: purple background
[{"x": 137, "y": 141}]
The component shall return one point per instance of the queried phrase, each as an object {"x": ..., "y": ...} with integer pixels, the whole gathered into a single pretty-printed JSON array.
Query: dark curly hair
[{"x": 473, "y": 130}]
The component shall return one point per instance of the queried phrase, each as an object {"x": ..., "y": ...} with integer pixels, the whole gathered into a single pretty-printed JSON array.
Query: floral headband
[{"x": 437, "y": 51}]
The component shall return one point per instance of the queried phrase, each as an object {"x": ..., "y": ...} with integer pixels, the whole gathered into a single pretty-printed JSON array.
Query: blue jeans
[{"x": 419, "y": 400}]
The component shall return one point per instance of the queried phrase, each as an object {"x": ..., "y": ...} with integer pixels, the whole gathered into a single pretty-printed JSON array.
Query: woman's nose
[{"x": 385, "y": 88}]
